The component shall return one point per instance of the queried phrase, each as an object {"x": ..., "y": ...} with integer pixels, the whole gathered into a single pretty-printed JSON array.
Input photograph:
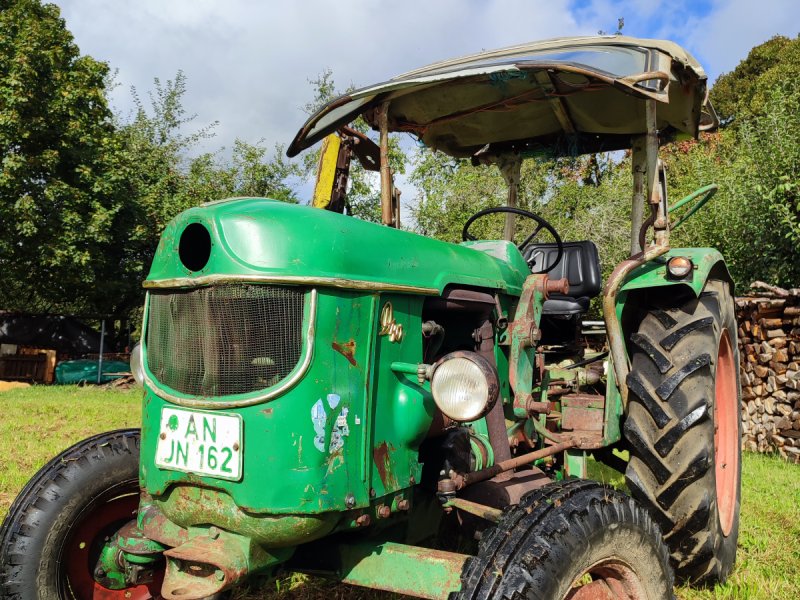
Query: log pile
[{"x": 769, "y": 347}]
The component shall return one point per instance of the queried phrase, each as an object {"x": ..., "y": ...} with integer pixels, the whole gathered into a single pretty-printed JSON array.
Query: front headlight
[
  {"x": 136, "y": 364},
  {"x": 464, "y": 386}
]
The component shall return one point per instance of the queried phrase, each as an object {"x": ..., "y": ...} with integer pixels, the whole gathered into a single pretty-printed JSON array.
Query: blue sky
[{"x": 248, "y": 62}]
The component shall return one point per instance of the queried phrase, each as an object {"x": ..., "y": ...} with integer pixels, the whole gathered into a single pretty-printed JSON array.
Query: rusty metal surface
[
  {"x": 479, "y": 510},
  {"x": 500, "y": 494},
  {"x": 513, "y": 463},
  {"x": 202, "y": 567},
  {"x": 582, "y": 412},
  {"x": 613, "y": 325}
]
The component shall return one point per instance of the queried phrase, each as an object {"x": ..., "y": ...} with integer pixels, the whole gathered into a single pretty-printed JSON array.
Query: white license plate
[{"x": 206, "y": 443}]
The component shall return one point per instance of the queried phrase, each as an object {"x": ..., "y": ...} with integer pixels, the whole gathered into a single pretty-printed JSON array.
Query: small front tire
[
  {"x": 570, "y": 540},
  {"x": 51, "y": 536}
]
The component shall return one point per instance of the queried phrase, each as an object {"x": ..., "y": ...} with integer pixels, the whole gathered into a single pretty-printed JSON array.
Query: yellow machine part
[{"x": 326, "y": 171}]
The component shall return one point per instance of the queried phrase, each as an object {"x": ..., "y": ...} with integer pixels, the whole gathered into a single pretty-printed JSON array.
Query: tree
[
  {"x": 57, "y": 186},
  {"x": 363, "y": 194},
  {"x": 583, "y": 198}
]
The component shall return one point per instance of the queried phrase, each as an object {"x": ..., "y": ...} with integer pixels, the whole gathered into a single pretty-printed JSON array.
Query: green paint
[
  {"x": 402, "y": 569},
  {"x": 654, "y": 273},
  {"x": 248, "y": 238}
]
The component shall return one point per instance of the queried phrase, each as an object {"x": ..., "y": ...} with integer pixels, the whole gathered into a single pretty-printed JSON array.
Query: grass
[{"x": 39, "y": 422}]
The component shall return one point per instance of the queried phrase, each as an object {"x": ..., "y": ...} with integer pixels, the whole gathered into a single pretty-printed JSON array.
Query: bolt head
[
  {"x": 350, "y": 501},
  {"x": 403, "y": 504},
  {"x": 384, "y": 511},
  {"x": 213, "y": 532},
  {"x": 219, "y": 575}
]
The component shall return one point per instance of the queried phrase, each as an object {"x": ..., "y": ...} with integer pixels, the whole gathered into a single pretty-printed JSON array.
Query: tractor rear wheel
[
  {"x": 570, "y": 540},
  {"x": 683, "y": 426},
  {"x": 51, "y": 537}
]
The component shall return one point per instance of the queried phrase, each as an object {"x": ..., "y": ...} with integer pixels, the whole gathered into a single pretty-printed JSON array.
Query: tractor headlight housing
[
  {"x": 136, "y": 364},
  {"x": 464, "y": 386}
]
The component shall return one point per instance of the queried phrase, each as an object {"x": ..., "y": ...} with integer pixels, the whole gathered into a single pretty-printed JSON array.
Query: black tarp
[{"x": 67, "y": 335}]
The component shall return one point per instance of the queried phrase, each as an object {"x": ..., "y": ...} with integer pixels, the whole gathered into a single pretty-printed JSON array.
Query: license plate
[{"x": 206, "y": 443}]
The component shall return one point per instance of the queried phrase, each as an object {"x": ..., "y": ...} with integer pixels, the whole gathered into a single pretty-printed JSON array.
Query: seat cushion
[
  {"x": 566, "y": 306},
  {"x": 580, "y": 265}
]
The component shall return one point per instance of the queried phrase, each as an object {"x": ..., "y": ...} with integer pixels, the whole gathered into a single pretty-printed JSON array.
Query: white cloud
[{"x": 248, "y": 63}]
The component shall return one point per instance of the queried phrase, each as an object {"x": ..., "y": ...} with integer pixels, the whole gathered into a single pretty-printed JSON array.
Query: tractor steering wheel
[{"x": 542, "y": 224}]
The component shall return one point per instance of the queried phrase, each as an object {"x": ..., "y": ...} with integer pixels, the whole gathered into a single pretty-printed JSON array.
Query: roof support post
[
  {"x": 651, "y": 176},
  {"x": 389, "y": 213},
  {"x": 510, "y": 166},
  {"x": 638, "y": 167}
]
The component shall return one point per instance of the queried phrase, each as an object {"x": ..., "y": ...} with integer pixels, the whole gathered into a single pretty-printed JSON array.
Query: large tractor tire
[
  {"x": 50, "y": 538},
  {"x": 570, "y": 540},
  {"x": 683, "y": 426}
]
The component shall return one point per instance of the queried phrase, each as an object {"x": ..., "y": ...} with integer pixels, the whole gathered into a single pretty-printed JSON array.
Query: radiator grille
[{"x": 226, "y": 339}]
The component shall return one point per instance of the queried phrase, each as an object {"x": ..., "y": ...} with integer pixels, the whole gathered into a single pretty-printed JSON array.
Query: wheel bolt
[{"x": 384, "y": 511}]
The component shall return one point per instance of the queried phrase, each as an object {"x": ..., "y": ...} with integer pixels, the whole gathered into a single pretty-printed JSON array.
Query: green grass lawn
[{"x": 39, "y": 422}]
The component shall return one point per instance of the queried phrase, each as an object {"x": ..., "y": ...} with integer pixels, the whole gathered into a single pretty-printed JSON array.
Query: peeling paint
[
  {"x": 319, "y": 417},
  {"x": 340, "y": 431},
  {"x": 347, "y": 350}
]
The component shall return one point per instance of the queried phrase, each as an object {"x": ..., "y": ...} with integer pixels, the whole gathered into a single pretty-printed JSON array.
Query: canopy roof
[{"x": 563, "y": 96}]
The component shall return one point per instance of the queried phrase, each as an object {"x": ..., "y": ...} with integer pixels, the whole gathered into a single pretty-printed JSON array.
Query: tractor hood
[
  {"x": 559, "y": 97},
  {"x": 254, "y": 239}
]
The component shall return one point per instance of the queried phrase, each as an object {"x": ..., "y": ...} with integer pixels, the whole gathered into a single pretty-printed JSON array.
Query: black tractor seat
[{"x": 580, "y": 265}]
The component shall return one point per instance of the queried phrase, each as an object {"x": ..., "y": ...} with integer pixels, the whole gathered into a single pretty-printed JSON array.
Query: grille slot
[{"x": 225, "y": 339}]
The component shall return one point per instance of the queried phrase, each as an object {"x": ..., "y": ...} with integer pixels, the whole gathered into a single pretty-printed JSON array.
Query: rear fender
[{"x": 649, "y": 285}]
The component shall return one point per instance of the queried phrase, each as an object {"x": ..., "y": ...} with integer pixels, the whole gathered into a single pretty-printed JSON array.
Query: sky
[{"x": 248, "y": 63}]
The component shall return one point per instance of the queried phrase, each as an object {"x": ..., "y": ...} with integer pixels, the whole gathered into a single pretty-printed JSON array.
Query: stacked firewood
[{"x": 769, "y": 347}]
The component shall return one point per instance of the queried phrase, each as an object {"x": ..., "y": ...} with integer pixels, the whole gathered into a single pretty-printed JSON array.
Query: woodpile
[{"x": 769, "y": 347}]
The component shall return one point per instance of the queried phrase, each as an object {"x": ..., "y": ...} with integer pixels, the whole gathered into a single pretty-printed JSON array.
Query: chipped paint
[
  {"x": 319, "y": 418},
  {"x": 340, "y": 431},
  {"x": 348, "y": 350},
  {"x": 383, "y": 462}
]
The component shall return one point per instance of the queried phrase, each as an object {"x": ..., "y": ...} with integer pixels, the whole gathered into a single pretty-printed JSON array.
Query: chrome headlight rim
[
  {"x": 137, "y": 363},
  {"x": 486, "y": 369}
]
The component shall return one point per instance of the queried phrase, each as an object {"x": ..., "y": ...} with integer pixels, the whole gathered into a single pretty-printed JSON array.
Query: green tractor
[{"x": 336, "y": 397}]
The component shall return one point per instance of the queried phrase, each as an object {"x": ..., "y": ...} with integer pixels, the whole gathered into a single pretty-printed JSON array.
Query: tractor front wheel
[
  {"x": 683, "y": 427},
  {"x": 570, "y": 540},
  {"x": 52, "y": 536}
]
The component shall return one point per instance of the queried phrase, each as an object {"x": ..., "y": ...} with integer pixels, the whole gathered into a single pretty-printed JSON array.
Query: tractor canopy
[{"x": 558, "y": 97}]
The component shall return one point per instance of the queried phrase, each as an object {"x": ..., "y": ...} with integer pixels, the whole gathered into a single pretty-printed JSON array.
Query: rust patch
[
  {"x": 383, "y": 462},
  {"x": 347, "y": 350},
  {"x": 267, "y": 412}
]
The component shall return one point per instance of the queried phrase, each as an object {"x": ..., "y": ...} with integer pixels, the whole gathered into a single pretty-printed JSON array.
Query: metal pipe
[
  {"x": 387, "y": 210},
  {"x": 510, "y": 167},
  {"x": 638, "y": 167},
  {"x": 616, "y": 341},
  {"x": 513, "y": 463},
  {"x": 100, "y": 356}
]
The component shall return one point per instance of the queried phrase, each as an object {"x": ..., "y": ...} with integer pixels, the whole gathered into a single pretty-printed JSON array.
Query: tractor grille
[{"x": 226, "y": 339}]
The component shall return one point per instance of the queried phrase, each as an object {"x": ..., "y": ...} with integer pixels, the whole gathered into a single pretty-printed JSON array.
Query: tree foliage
[
  {"x": 363, "y": 199},
  {"x": 58, "y": 203}
]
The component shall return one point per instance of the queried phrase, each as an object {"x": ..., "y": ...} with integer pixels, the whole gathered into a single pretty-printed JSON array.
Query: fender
[{"x": 644, "y": 279}]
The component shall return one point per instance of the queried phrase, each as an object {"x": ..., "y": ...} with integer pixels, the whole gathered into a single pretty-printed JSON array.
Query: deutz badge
[{"x": 389, "y": 326}]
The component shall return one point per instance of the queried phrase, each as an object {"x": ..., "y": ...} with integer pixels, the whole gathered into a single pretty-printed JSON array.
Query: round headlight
[
  {"x": 136, "y": 364},
  {"x": 464, "y": 386},
  {"x": 679, "y": 267}
]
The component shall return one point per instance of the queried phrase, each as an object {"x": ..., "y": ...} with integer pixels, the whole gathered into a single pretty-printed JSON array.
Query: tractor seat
[{"x": 580, "y": 265}]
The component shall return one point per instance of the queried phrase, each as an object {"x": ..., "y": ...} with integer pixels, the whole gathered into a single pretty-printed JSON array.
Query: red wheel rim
[
  {"x": 608, "y": 580},
  {"x": 726, "y": 434},
  {"x": 107, "y": 513}
]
